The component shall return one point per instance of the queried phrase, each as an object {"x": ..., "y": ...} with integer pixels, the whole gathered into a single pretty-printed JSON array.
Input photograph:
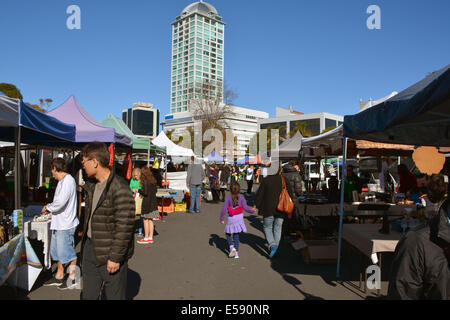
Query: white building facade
[
  {"x": 315, "y": 122},
  {"x": 243, "y": 124}
]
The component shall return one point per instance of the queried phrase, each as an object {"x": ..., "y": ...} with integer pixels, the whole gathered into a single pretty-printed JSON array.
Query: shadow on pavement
[
  {"x": 219, "y": 243},
  {"x": 133, "y": 284},
  {"x": 255, "y": 222},
  {"x": 251, "y": 240},
  {"x": 295, "y": 282}
]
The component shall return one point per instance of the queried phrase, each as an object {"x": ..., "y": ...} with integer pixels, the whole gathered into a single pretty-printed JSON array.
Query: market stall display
[{"x": 418, "y": 115}]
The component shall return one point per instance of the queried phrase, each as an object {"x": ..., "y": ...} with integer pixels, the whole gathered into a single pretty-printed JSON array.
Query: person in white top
[
  {"x": 63, "y": 225},
  {"x": 249, "y": 178}
]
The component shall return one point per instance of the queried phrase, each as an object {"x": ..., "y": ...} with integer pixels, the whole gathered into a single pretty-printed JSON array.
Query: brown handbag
[{"x": 285, "y": 203}]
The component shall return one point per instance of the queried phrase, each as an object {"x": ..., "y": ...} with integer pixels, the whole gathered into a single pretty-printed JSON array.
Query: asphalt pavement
[{"x": 189, "y": 261}]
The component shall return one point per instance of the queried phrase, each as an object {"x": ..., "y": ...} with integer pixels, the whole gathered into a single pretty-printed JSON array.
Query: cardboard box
[{"x": 317, "y": 251}]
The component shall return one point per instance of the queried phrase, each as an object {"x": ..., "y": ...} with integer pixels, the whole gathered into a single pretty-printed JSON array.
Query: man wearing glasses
[{"x": 108, "y": 240}]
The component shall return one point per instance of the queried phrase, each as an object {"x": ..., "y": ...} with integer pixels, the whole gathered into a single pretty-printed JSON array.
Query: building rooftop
[{"x": 199, "y": 7}]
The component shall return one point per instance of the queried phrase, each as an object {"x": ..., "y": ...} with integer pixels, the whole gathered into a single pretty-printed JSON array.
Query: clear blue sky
[{"x": 316, "y": 55}]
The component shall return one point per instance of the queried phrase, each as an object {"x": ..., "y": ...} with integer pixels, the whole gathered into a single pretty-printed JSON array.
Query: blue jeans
[
  {"x": 62, "y": 246},
  {"x": 196, "y": 191},
  {"x": 235, "y": 239},
  {"x": 272, "y": 230}
]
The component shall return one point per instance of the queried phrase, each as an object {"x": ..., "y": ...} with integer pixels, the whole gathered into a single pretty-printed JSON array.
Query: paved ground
[{"x": 189, "y": 261}]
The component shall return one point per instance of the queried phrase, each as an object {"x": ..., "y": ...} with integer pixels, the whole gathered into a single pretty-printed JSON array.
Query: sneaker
[
  {"x": 143, "y": 241},
  {"x": 197, "y": 211},
  {"x": 236, "y": 256},
  {"x": 68, "y": 284},
  {"x": 233, "y": 253},
  {"x": 191, "y": 211},
  {"x": 150, "y": 240},
  {"x": 273, "y": 251},
  {"x": 54, "y": 282}
]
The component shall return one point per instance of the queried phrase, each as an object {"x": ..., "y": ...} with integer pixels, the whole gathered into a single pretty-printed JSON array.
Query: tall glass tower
[{"x": 197, "y": 55}]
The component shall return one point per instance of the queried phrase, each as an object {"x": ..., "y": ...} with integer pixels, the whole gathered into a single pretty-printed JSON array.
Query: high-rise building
[
  {"x": 142, "y": 119},
  {"x": 197, "y": 55}
]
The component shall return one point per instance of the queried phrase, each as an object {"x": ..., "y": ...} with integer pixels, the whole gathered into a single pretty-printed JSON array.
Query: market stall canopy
[
  {"x": 289, "y": 148},
  {"x": 171, "y": 148},
  {"x": 214, "y": 157},
  {"x": 36, "y": 127},
  {"x": 330, "y": 144},
  {"x": 138, "y": 143},
  {"x": 88, "y": 129},
  {"x": 418, "y": 115},
  {"x": 331, "y": 140},
  {"x": 256, "y": 159}
]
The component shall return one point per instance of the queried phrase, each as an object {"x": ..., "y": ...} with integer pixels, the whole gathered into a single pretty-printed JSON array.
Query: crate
[
  {"x": 317, "y": 251},
  {"x": 169, "y": 205},
  {"x": 180, "y": 207}
]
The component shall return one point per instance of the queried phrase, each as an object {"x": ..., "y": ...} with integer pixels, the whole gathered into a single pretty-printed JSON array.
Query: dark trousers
[
  {"x": 215, "y": 194},
  {"x": 97, "y": 277},
  {"x": 235, "y": 239},
  {"x": 249, "y": 186}
]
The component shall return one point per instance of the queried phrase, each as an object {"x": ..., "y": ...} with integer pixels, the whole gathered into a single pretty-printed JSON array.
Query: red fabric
[
  {"x": 407, "y": 182},
  {"x": 235, "y": 211},
  {"x": 111, "y": 155},
  {"x": 126, "y": 167}
]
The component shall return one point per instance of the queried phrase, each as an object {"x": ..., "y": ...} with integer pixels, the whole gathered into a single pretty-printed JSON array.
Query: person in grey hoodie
[{"x": 194, "y": 181}]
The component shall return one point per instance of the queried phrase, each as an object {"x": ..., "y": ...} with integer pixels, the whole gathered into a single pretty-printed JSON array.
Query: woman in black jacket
[
  {"x": 149, "y": 204},
  {"x": 266, "y": 201},
  {"x": 292, "y": 174}
]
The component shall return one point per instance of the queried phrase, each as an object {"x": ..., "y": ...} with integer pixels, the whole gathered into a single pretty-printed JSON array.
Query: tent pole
[
  {"x": 341, "y": 207},
  {"x": 17, "y": 169},
  {"x": 148, "y": 156}
]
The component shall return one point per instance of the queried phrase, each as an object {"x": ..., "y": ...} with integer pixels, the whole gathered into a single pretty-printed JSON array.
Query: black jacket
[
  {"x": 268, "y": 194},
  {"x": 112, "y": 221},
  {"x": 295, "y": 181},
  {"x": 149, "y": 202},
  {"x": 420, "y": 269}
]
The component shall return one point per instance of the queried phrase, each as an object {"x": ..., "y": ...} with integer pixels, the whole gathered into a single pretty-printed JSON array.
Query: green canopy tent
[{"x": 139, "y": 143}]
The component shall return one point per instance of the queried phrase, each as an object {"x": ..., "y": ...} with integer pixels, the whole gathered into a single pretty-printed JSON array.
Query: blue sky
[{"x": 315, "y": 55}]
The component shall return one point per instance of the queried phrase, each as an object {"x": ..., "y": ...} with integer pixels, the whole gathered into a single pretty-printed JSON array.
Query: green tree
[
  {"x": 11, "y": 90},
  {"x": 301, "y": 126},
  {"x": 328, "y": 129}
]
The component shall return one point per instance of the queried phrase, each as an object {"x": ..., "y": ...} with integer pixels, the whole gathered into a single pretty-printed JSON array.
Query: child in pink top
[{"x": 234, "y": 205}]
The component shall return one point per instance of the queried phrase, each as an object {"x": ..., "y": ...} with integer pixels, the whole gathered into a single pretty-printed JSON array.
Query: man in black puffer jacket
[
  {"x": 292, "y": 174},
  {"x": 420, "y": 269},
  {"x": 108, "y": 241}
]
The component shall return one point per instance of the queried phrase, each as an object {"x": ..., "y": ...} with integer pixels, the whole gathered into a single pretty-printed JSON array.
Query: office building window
[{"x": 329, "y": 123}]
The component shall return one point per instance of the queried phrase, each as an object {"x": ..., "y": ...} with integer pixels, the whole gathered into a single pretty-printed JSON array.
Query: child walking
[{"x": 234, "y": 205}]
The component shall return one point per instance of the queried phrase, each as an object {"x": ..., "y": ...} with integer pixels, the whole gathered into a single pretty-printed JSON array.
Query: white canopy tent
[{"x": 172, "y": 149}]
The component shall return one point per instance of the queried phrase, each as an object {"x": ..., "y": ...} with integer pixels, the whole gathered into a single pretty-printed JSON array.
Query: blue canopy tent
[
  {"x": 419, "y": 115},
  {"x": 214, "y": 157},
  {"x": 243, "y": 161},
  {"x": 21, "y": 123}
]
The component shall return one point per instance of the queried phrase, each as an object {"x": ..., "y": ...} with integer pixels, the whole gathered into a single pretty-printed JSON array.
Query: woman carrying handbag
[{"x": 269, "y": 204}]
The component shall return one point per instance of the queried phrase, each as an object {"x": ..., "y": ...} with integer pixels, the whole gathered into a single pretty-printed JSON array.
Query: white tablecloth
[
  {"x": 40, "y": 231},
  {"x": 367, "y": 239}
]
